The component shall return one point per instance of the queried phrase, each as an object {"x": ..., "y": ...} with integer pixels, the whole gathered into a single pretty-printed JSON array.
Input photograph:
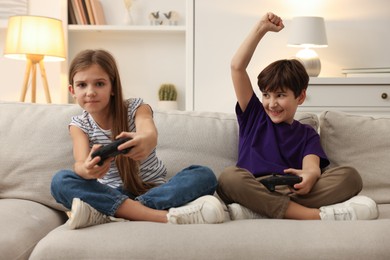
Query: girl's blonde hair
[{"x": 128, "y": 168}]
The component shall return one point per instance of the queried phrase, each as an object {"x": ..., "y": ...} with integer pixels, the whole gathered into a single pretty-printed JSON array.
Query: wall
[
  {"x": 12, "y": 71},
  {"x": 357, "y": 30},
  {"x": 358, "y": 36}
]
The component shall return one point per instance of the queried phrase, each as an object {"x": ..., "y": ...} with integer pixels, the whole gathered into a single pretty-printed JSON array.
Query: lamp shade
[
  {"x": 34, "y": 35},
  {"x": 308, "y": 31}
]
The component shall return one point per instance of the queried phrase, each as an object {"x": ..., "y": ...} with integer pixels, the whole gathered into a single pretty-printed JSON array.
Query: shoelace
[
  {"x": 344, "y": 213},
  {"x": 95, "y": 217}
]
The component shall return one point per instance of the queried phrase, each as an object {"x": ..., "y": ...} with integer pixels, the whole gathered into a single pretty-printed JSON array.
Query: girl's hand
[
  {"x": 89, "y": 168},
  {"x": 141, "y": 144},
  {"x": 308, "y": 180}
]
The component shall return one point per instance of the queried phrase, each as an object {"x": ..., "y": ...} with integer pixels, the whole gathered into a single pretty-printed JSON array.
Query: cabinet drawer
[{"x": 347, "y": 96}]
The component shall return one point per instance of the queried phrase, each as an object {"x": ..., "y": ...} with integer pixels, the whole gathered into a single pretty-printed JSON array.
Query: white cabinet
[
  {"x": 369, "y": 96},
  {"x": 147, "y": 55}
]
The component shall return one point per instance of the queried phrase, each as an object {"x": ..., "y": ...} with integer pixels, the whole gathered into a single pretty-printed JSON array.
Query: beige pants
[{"x": 237, "y": 185}]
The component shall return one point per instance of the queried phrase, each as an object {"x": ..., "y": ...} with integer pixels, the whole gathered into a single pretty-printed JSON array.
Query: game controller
[
  {"x": 276, "y": 180},
  {"x": 110, "y": 150}
]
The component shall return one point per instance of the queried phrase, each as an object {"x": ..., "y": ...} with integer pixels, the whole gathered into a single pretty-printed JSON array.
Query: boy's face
[{"x": 281, "y": 105}]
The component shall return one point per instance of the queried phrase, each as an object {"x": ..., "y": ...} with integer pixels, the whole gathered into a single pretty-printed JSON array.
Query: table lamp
[
  {"x": 35, "y": 39},
  {"x": 308, "y": 32}
]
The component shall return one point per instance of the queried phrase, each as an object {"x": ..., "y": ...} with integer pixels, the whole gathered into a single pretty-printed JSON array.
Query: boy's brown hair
[{"x": 281, "y": 74}]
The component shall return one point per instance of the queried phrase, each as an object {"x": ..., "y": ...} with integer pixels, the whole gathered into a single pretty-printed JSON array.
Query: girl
[{"x": 131, "y": 186}]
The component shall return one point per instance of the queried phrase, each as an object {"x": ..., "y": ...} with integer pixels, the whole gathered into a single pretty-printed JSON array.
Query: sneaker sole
[{"x": 75, "y": 209}]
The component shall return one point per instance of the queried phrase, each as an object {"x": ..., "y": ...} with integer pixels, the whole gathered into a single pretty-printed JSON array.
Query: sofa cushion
[
  {"x": 187, "y": 138},
  {"x": 308, "y": 119},
  {"x": 362, "y": 142},
  {"x": 241, "y": 239},
  {"x": 23, "y": 224},
  {"x": 204, "y": 138},
  {"x": 35, "y": 144}
]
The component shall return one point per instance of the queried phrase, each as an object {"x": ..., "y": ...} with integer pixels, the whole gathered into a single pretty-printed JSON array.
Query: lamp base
[
  {"x": 31, "y": 68},
  {"x": 310, "y": 61}
]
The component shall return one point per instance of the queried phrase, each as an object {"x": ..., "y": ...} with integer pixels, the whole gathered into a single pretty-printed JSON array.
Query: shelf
[
  {"x": 126, "y": 28},
  {"x": 142, "y": 49},
  {"x": 349, "y": 81}
]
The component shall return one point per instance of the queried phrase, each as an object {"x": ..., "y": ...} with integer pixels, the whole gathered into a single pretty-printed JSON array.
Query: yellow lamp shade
[{"x": 35, "y": 35}]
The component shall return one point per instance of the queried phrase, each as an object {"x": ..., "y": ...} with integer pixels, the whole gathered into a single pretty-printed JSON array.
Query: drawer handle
[{"x": 384, "y": 96}]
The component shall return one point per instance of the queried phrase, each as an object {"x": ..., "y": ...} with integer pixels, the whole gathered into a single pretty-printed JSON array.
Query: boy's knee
[
  {"x": 231, "y": 183},
  {"x": 353, "y": 177},
  {"x": 349, "y": 179},
  {"x": 232, "y": 177},
  {"x": 226, "y": 175}
]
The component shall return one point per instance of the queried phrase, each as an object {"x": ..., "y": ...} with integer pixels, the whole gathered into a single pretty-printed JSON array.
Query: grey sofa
[{"x": 34, "y": 144}]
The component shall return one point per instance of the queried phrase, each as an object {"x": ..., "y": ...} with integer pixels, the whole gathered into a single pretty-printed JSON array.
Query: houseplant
[{"x": 167, "y": 95}]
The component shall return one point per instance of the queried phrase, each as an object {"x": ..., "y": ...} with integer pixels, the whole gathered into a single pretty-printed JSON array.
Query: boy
[{"x": 271, "y": 141}]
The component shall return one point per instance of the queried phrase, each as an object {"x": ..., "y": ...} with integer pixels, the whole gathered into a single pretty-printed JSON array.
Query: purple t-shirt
[{"x": 266, "y": 147}]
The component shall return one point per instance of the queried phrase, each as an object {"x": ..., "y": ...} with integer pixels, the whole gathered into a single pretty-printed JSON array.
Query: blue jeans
[{"x": 186, "y": 186}]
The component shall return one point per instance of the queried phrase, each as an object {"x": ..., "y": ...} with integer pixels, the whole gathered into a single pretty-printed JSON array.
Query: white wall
[
  {"x": 358, "y": 36},
  {"x": 12, "y": 71}
]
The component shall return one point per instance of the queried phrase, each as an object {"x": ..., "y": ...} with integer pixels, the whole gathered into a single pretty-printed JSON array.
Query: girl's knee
[
  {"x": 204, "y": 171},
  {"x": 204, "y": 175},
  {"x": 207, "y": 175},
  {"x": 60, "y": 178}
]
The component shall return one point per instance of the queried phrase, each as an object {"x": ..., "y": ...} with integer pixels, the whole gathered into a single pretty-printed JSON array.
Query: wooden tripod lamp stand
[{"x": 35, "y": 39}]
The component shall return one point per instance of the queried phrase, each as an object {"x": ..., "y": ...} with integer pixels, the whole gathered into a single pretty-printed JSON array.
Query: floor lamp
[
  {"x": 35, "y": 39},
  {"x": 308, "y": 32}
]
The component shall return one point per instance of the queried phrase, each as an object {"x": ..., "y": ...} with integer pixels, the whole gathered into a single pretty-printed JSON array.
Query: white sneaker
[
  {"x": 204, "y": 210},
  {"x": 356, "y": 208},
  {"x": 83, "y": 215},
  {"x": 237, "y": 212}
]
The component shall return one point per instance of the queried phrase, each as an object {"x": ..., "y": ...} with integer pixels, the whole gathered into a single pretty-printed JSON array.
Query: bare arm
[
  {"x": 241, "y": 59},
  {"x": 145, "y": 139}
]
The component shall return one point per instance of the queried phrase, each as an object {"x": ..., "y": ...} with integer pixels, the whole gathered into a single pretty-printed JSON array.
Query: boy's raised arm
[{"x": 241, "y": 59}]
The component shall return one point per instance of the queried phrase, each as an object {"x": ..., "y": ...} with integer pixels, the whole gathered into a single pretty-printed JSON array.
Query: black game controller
[
  {"x": 110, "y": 150},
  {"x": 275, "y": 180}
]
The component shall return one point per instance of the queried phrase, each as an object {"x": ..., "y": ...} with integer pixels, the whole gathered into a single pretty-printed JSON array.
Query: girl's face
[
  {"x": 92, "y": 89},
  {"x": 281, "y": 105}
]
